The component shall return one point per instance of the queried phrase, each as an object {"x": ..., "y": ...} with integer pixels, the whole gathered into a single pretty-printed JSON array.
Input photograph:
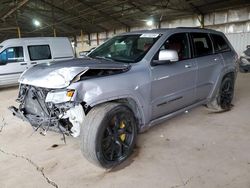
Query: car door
[
  {"x": 11, "y": 65},
  {"x": 208, "y": 63},
  {"x": 221, "y": 46},
  {"x": 173, "y": 84}
]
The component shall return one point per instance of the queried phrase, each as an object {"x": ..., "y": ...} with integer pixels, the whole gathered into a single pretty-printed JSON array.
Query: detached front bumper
[
  {"x": 37, "y": 121},
  {"x": 64, "y": 117}
]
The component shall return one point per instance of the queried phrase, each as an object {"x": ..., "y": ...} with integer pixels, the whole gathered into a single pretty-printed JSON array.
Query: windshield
[{"x": 126, "y": 48}]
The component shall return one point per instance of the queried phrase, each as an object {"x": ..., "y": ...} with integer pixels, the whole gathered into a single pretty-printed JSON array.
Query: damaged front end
[
  {"x": 48, "y": 109},
  {"x": 46, "y": 101}
]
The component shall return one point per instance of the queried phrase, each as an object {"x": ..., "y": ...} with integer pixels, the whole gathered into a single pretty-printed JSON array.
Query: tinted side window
[
  {"x": 179, "y": 43},
  {"x": 13, "y": 54},
  {"x": 219, "y": 43},
  {"x": 202, "y": 44},
  {"x": 39, "y": 52}
]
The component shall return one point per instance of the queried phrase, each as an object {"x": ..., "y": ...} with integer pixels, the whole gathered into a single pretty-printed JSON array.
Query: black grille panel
[{"x": 34, "y": 102}]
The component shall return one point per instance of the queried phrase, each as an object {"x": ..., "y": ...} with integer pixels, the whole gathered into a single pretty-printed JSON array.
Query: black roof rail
[
  {"x": 190, "y": 28},
  {"x": 207, "y": 29}
]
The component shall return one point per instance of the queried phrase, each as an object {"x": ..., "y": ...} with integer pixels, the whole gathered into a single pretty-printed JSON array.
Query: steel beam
[{"x": 19, "y": 5}]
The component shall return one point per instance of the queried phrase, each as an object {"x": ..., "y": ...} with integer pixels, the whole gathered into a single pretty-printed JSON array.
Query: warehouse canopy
[{"x": 70, "y": 17}]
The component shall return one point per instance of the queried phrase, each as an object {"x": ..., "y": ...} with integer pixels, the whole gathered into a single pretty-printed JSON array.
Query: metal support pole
[
  {"x": 97, "y": 38},
  {"x": 89, "y": 39},
  {"x": 159, "y": 24},
  {"x": 18, "y": 32},
  {"x": 107, "y": 35},
  {"x": 75, "y": 45},
  {"x": 82, "y": 37},
  {"x": 202, "y": 21},
  {"x": 54, "y": 31},
  {"x": 127, "y": 29}
]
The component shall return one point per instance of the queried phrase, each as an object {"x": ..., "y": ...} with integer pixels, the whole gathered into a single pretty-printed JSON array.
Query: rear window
[
  {"x": 202, "y": 44},
  {"x": 39, "y": 52},
  {"x": 220, "y": 44}
]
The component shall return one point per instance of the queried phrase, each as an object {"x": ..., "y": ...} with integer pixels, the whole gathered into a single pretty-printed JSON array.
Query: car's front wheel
[{"x": 108, "y": 134}]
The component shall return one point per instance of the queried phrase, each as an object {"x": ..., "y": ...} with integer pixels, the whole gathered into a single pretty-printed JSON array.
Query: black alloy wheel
[
  {"x": 226, "y": 93},
  {"x": 118, "y": 137},
  {"x": 108, "y": 134}
]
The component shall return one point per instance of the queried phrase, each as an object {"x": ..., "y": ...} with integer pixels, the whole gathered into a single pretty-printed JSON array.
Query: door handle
[
  {"x": 188, "y": 66},
  {"x": 23, "y": 64},
  {"x": 33, "y": 63}
]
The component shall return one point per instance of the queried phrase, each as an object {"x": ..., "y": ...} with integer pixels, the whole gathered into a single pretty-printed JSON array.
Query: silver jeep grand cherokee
[{"x": 128, "y": 84}]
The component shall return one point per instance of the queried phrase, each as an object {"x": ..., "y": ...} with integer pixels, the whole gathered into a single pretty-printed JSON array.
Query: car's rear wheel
[
  {"x": 224, "y": 97},
  {"x": 108, "y": 134}
]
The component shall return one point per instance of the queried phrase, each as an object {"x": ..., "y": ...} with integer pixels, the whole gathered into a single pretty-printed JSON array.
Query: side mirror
[
  {"x": 166, "y": 57},
  {"x": 248, "y": 46}
]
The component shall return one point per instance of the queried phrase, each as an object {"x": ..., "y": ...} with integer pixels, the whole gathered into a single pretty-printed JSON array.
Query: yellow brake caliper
[{"x": 122, "y": 136}]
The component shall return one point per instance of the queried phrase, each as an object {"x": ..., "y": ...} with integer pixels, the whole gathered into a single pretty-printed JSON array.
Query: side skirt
[{"x": 171, "y": 115}]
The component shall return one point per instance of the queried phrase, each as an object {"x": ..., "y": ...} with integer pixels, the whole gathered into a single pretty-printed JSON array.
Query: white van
[{"x": 17, "y": 55}]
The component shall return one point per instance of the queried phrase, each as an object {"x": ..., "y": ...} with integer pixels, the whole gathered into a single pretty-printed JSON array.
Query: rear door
[
  {"x": 207, "y": 61},
  {"x": 173, "y": 85},
  {"x": 11, "y": 65},
  {"x": 222, "y": 47}
]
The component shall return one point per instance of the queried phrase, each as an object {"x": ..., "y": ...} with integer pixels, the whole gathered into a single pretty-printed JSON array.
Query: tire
[
  {"x": 108, "y": 134},
  {"x": 224, "y": 97}
]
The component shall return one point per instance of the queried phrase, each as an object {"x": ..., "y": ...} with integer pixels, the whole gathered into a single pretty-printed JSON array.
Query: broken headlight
[{"x": 60, "y": 96}]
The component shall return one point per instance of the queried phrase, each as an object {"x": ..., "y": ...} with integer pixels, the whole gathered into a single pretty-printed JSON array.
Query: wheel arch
[
  {"x": 229, "y": 72},
  {"x": 130, "y": 102}
]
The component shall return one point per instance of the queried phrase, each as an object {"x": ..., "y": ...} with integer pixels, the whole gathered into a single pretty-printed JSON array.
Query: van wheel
[
  {"x": 108, "y": 134},
  {"x": 224, "y": 97}
]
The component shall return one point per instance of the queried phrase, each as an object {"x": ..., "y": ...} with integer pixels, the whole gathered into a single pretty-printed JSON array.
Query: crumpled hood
[{"x": 60, "y": 74}]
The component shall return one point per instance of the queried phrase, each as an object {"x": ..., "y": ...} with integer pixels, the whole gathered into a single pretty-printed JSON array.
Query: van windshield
[{"x": 126, "y": 48}]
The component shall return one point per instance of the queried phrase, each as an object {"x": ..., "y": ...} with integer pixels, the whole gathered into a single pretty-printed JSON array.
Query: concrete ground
[{"x": 193, "y": 150}]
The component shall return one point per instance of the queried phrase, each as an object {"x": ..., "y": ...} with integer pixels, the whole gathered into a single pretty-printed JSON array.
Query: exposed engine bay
[{"x": 60, "y": 117}]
